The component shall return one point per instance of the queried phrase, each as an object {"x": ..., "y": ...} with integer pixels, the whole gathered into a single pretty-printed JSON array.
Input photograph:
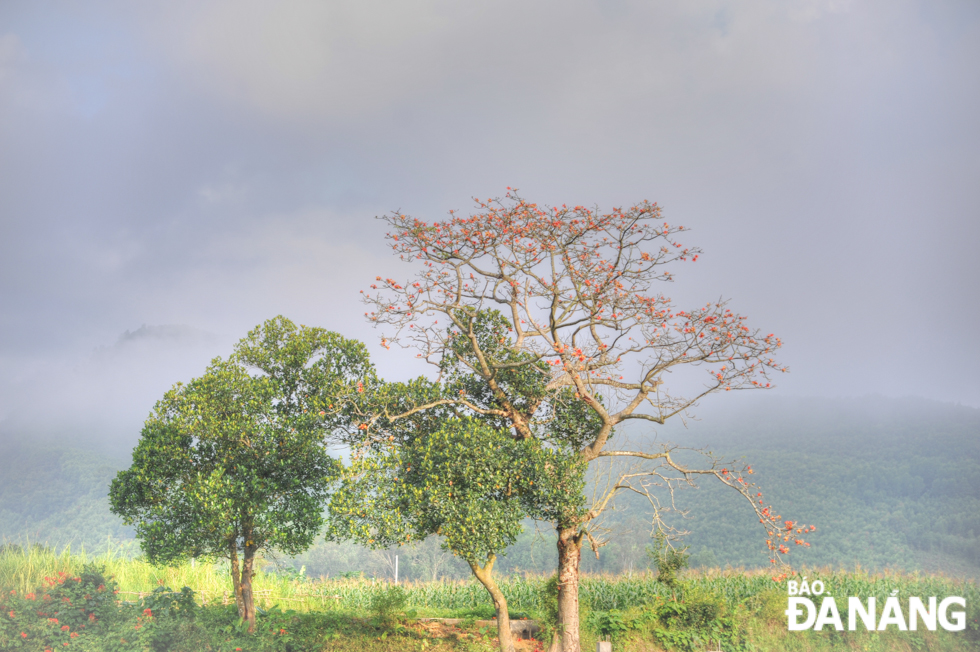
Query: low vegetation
[{"x": 111, "y": 603}]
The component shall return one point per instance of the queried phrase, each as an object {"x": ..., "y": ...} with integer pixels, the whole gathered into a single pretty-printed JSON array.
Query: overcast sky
[{"x": 210, "y": 165}]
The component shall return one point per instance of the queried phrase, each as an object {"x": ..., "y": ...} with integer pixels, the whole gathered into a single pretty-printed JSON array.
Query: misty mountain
[
  {"x": 180, "y": 333},
  {"x": 888, "y": 483},
  {"x": 101, "y": 399},
  {"x": 57, "y": 495}
]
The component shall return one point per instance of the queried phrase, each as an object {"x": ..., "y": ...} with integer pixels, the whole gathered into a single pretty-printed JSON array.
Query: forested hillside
[
  {"x": 56, "y": 494},
  {"x": 888, "y": 483}
]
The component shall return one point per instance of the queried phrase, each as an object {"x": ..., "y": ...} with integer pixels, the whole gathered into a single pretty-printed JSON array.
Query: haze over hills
[
  {"x": 889, "y": 483},
  {"x": 101, "y": 398}
]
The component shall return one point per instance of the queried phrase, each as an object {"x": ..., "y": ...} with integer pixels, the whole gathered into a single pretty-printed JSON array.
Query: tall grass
[{"x": 24, "y": 568}]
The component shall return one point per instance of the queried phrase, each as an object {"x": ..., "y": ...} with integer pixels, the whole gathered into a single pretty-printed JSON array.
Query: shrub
[
  {"x": 669, "y": 560},
  {"x": 610, "y": 625},
  {"x": 80, "y": 612},
  {"x": 164, "y": 601},
  {"x": 698, "y": 619},
  {"x": 547, "y": 611},
  {"x": 59, "y": 611},
  {"x": 973, "y": 621},
  {"x": 548, "y": 599},
  {"x": 388, "y": 605}
]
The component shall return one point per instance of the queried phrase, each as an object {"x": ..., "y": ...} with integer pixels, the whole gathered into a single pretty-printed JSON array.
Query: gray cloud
[
  {"x": 217, "y": 163},
  {"x": 104, "y": 395}
]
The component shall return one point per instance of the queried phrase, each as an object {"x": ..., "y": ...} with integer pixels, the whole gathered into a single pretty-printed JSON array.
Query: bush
[
  {"x": 973, "y": 621},
  {"x": 768, "y": 606},
  {"x": 669, "y": 561},
  {"x": 548, "y": 599},
  {"x": 610, "y": 625},
  {"x": 547, "y": 615},
  {"x": 388, "y": 605},
  {"x": 80, "y": 612},
  {"x": 164, "y": 601},
  {"x": 59, "y": 611},
  {"x": 698, "y": 619}
]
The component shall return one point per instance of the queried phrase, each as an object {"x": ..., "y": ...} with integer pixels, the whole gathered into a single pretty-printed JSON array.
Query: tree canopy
[
  {"x": 236, "y": 460},
  {"x": 467, "y": 481},
  {"x": 530, "y": 311}
]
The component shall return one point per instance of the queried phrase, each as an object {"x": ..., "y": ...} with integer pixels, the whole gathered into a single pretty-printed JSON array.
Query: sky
[{"x": 174, "y": 173}]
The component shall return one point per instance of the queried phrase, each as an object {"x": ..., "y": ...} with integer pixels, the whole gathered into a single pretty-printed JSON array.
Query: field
[{"x": 733, "y": 609}]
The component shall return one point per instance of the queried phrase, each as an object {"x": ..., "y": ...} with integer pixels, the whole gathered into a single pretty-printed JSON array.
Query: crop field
[{"x": 716, "y": 609}]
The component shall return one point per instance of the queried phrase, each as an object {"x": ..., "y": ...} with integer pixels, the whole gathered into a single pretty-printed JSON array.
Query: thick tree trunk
[
  {"x": 248, "y": 599},
  {"x": 485, "y": 575},
  {"x": 241, "y": 579},
  {"x": 569, "y": 557}
]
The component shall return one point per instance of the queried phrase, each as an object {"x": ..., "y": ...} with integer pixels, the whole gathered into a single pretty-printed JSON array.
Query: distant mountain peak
[{"x": 176, "y": 333}]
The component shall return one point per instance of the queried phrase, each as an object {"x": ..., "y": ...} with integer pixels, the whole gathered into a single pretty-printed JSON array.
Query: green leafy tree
[
  {"x": 235, "y": 461},
  {"x": 467, "y": 481}
]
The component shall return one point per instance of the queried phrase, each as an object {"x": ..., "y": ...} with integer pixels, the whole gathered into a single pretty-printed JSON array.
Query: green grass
[{"x": 746, "y": 607}]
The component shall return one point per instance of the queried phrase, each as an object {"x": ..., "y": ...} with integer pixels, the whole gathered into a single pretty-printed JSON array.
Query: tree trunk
[
  {"x": 248, "y": 599},
  {"x": 241, "y": 579},
  {"x": 569, "y": 557},
  {"x": 485, "y": 575},
  {"x": 236, "y": 578}
]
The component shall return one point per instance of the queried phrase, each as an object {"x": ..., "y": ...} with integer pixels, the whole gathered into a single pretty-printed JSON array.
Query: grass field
[{"x": 733, "y": 609}]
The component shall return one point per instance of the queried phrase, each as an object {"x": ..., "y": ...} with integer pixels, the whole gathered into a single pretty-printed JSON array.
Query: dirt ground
[{"x": 451, "y": 630}]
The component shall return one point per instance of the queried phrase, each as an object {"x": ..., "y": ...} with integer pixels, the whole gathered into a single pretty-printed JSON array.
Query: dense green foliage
[
  {"x": 461, "y": 481},
  {"x": 233, "y": 461},
  {"x": 467, "y": 481},
  {"x": 215, "y": 469},
  {"x": 236, "y": 461}
]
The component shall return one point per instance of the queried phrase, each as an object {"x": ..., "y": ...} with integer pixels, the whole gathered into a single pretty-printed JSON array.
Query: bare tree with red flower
[{"x": 578, "y": 313}]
